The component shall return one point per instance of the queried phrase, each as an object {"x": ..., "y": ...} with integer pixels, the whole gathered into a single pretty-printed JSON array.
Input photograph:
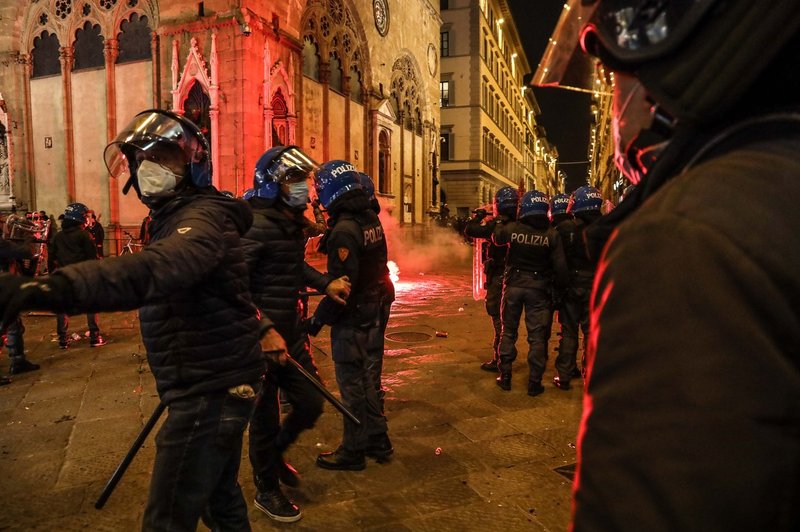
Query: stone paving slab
[{"x": 468, "y": 456}]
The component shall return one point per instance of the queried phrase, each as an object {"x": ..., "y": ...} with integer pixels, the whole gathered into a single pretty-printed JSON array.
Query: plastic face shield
[
  {"x": 154, "y": 136},
  {"x": 291, "y": 166},
  {"x": 630, "y": 31}
]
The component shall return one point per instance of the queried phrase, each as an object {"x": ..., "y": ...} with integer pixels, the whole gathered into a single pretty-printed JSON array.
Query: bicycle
[{"x": 130, "y": 246}]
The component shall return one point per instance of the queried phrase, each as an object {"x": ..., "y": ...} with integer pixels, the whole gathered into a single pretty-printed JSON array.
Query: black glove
[
  {"x": 480, "y": 214},
  {"x": 18, "y": 293},
  {"x": 312, "y": 326}
]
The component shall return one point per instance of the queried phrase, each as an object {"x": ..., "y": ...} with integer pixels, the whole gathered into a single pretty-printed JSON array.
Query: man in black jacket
[
  {"x": 13, "y": 334},
  {"x": 506, "y": 201},
  {"x": 198, "y": 322},
  {"x": 275, "y": 252},
  {"x": 692, "y": 403},
  {"x": 72, "y": 245},
  {"x": 356, "y": 248},
  {"x": 574, "y": 308},
  {"x": 535, "y": 262}
]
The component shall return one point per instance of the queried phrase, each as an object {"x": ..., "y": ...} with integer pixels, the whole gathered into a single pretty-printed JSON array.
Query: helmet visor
[
  {"x": 290, "y": 166},
  {"x": 154, "y": 136},
  {"x": 564, "y": 64}
]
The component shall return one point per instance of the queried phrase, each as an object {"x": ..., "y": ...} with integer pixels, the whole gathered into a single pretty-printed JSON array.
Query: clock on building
[
  {"x": 432, "y": 58},
  {"x": 381, "y": 12}
]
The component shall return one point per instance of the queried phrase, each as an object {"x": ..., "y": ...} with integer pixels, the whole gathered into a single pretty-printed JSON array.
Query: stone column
[
  {"x": 414, "y": 177},
  {"x": 67, "y": 60},
  {"x": 156, "y": 61},
  {"x": 27, "y": 65},
  {"x": 401, "y": 115},
  {"x": 347, "y": 143},
  {"x": 324, "y": 79},
  {"x": 111, "y": 52}
]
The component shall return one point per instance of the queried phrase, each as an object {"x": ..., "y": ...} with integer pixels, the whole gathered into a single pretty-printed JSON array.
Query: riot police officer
[
  {"x": 275, "y": 252},
  {"x": 494, "y": 260},
  {"x": 559, "y": 205},
  {"x": 535, "y": 261},
  {"x": 198, "y": 322},
  {"x": 693, "y": 368},
  {"x": 573, "y": 314},
  {"x": 356, "y": 247}
]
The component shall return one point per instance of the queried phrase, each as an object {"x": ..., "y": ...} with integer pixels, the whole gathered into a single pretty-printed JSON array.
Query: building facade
[
  {"x": 343, "y": 79},
  {"x": 489, "y": 135}
]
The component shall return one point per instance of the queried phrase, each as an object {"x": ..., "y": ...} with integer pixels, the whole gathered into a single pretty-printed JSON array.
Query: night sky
[{"x": 565, "y": 114}]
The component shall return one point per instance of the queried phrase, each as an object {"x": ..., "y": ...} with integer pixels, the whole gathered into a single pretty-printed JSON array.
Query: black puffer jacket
[
  {"x": 198, "y": 321},
  {"x": 71, "y": 245},
  {"x": 275, "y": 252}
]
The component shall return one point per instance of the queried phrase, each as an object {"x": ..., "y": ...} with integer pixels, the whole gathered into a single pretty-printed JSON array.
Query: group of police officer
[
  {"x": 535, "y": 260},
  {"x": 220, "y": 290}
]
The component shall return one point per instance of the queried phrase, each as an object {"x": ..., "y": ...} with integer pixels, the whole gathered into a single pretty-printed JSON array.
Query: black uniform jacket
[
  {"x": 70, "y": 245},
  {"x": 275, "y": 252},
  {"x": 691, "y": 418},
  {"x": 356, "y": 247},
  {"x": 494, "y": 264},
  {"x": 199, "y": 324},
  {"x": 534, "y": 254}
]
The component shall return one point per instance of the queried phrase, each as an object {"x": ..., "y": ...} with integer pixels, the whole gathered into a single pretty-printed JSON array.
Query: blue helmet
[
  {"x": 585, "y": 198},
  {"x": 335, "y": 178},
  {"x": 76, "y": 212},
  {"x": 249, "y": 193},
  {"x": 533, "y": 203},
  {"x": 159, "y": 139},
  {"x": 506, "y": 200},
  {"x": 279, "y": 165},
  {"x": 559, "y": 204},
  {"x": 368, "y": 185}
]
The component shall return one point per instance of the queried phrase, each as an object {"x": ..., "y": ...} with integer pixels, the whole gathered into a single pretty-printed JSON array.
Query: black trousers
[
  {"x": 535, "y": 301},
  {"x": 198, "y": 450},
  {"x": 572, "y": 315},
  {"x": 269, "y": 438},
  {"x": 494, "y": 298}
]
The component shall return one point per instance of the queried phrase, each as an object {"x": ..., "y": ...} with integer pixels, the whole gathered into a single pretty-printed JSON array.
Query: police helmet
[
  {"x": 76, "y": 212},
  {"x": 584, "y": 199},
  {"x": 506, "y": 200},
  {"x": 559, "y": 204},
  {"x": 333, "y": 179},
  {"x": 533, "y": 203},
  {"x": 368, "y": 185},
  {"x": 174, "y": 151},
  {"x": 697, "y": 59},
  {"x": 279, "y": 165},
  {"x": 249, "y": 193}
]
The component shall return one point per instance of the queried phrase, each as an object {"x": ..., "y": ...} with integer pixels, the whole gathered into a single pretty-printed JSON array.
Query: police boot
[
  {"x": 491, "y": 365},
  {"x": 21, "y": 365},
  {"x": 535, "y": 388},
  {"x": 342, "y": 460},
  {"x": 379, "y": 447},
  {"x": 504, "y": 380}
]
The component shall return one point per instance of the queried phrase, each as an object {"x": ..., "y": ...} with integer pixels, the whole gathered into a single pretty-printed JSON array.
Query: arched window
[
  {"x": 134, "y": 40},
  {"x": 335, "y": 79},
  {"x": 384, "y": 162},
  {"x": 45, "y": 56},
  {"x": 310, "y": 59},
  {"x": 355, "y": 84},
  {"x": 89, "y": 47},
  {"x": 280, "y": 112},
  {"x": 196, "y": 108}
]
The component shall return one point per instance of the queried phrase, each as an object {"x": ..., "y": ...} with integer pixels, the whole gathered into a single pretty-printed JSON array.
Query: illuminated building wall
[
  {"x": 489, "y": 135},
  {"x": 350, "y": 79}
]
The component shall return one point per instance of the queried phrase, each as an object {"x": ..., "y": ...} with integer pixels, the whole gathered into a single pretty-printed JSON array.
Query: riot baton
[
  {"x": 323, "y": 390},
  {"x": 123, "y": 465}
]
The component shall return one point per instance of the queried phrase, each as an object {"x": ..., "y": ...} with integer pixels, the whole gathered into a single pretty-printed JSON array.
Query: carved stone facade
[{"x": 317, "y": 73}]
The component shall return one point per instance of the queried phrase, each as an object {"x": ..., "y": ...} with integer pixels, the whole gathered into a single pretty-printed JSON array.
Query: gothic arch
[
  {"x": 334, "y": 26},
  {"x": 407, "y": 94},
  {"x": 65, "y": 17}
]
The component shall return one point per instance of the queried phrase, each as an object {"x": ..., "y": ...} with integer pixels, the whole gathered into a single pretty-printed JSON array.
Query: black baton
[
  {"x": 324, "y": 391},
  {"x": 123, "y": 465}
]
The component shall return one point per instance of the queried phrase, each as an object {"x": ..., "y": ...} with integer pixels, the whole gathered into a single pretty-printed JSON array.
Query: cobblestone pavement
[{"x": 468, "y": 456}]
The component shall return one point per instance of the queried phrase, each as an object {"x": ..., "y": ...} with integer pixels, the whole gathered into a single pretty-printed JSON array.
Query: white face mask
[
  {"x": 297, "y": 196},
  {"x": 156, "y": 180}
]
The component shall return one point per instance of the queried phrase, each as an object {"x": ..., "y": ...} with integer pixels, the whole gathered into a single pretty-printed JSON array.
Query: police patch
[{"x": 343, "y": 254}]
